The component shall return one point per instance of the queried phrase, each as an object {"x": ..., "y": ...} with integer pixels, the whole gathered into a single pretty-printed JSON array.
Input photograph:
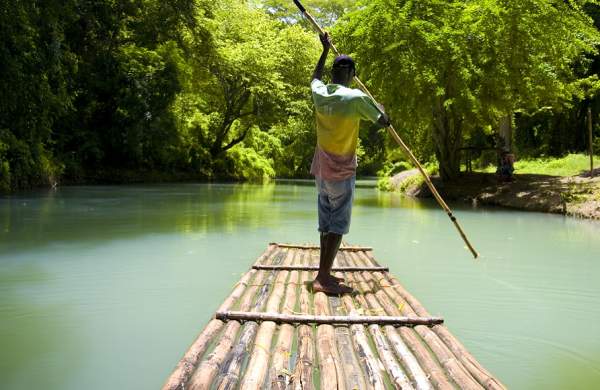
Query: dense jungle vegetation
[{"x": 135, "y": 90}]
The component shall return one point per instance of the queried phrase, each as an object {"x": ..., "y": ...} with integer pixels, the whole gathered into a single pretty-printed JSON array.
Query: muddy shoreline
[{"x": 577, "y": 196}]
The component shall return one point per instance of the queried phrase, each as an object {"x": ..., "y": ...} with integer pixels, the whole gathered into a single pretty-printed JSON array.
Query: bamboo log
[
  {"x": 409, "y": 336},
  {"x": 395, "y": 372},
  {"x": 258, "y": 365},
  {"x": 327, "y": 319},
  {"x": 449, "y": 362},
  {"x": 279, "y": 375},
  {"x": 483, "y": 377},
  {"x": 229, "y": 375},
  {"x": 369, "y": 300},
  {"x": 316, "y": 268},
  {"x": 353, "y": 373},
  {"x": 343, "y": 248},
  {"x": 330, "y": 365},
  {"x": 372, "y": 366},
  {"x": 187, "y": 364},
  {"x": 302, "y": 378},
  {"x": 208, "y": 368}
]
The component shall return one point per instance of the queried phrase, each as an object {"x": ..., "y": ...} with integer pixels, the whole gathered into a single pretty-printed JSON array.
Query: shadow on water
[{"x": 30, "y": 336}]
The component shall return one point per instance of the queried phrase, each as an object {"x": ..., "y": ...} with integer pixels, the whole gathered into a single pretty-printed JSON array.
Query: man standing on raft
[{"x": 339, "y": 110}]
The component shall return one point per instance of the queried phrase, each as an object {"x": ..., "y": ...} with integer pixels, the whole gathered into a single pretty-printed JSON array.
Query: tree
[
  {"x": 453, "y": 67},
  {"x": 251, "y": 76}
]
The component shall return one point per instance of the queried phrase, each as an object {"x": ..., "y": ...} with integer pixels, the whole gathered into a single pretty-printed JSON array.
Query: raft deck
[{"x": 273, "y": 332}]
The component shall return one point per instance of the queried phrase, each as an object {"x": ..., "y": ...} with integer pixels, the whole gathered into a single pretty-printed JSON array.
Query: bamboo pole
[
  {"x": 419, "y": 349},
  {"x": 279, "y": 375},
  {"x": 208, "y": 368},
  {"x": 397, "y": 138},
  {"x": 229, "y": 375},
  {"x": 484, "y": 377},
  {"x": 316, "y": 268},
  {"x": 369, "y": 300},
  {"x": 302, "y": 378},
  {"x": 330, "y": 365},
  {"x": 383, "y": 348},
  {"x": 258, "y": 365},
  {"x": 187, "y": 364},
  {"x": 327, "y": 319},
  {"x": 342, "y": 248},
  {"x": 372, "y": 365},
  {"x": 449, "y": 362},
  {"x": 353, "y": 373}
]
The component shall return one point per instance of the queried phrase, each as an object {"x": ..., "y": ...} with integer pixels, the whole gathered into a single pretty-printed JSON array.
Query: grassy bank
[{"x": 570, "y": 165}]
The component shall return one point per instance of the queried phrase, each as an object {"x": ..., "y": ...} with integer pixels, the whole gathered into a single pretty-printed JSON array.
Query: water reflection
[{"x": 89, "y": 274}]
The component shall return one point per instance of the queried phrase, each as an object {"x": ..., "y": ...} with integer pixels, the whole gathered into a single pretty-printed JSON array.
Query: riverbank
[{"x": 577, "y": 196}]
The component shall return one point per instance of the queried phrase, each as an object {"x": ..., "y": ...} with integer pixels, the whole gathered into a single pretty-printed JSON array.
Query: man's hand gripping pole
[{"x": 397, "y": 138}]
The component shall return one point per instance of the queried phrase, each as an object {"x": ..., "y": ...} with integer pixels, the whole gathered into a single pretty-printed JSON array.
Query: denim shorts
[{"x": 335, "y": 204}]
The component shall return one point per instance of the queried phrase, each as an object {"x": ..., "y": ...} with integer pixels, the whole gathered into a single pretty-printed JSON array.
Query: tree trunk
[
  {"x": 447, "y": 136},
  {"x": 505, "y": 131}
]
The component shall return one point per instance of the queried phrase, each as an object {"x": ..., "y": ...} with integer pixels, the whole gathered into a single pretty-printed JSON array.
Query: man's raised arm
[{"x": 318, "y": 74}]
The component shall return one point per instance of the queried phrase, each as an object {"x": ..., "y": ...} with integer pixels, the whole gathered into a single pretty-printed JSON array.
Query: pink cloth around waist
[{"x": 330, "y": 166}]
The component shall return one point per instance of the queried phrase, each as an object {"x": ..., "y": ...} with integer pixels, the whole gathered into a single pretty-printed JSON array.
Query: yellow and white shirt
[{"x": 339, "y": 110}]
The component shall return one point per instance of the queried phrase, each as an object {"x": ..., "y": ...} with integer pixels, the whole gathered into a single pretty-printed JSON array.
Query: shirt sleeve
[
  {"x": 318, "y": 87},
  {"x": 366, "y": 108}
]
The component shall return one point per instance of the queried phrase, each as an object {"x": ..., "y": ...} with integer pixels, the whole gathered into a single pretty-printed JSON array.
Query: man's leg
[{"x": 326, "y": 258}]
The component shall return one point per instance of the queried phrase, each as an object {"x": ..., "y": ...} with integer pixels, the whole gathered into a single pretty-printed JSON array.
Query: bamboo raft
[{"x": 273, "y": 332}]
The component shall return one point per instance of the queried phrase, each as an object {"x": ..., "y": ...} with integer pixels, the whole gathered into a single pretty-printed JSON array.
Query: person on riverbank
[{"x": 339, "y": 110}]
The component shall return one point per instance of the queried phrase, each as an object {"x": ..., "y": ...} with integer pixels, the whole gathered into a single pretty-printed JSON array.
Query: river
[{"x": 105, "y": 287}]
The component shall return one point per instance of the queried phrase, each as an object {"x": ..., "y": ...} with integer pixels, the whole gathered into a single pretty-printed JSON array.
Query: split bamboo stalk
[
  {"x": 451, "y": 364},
  {"x": 372, "y": 366},
  {"x": 330, "y": 365},
  {"x": 208, "y": 368},
  {"x": 229, "y": 374},
  {"x": 188, "y": 363},
  {"x": 342, "y": 248},
  {"x": 316, "y": 268},
  {"x": 352, "y": 368},
  {"x": 484, "y": 377},
  {"x": 302, "y": 378},
  {"x": 394, "y": 370},
  {"x": 279, "y": 375},
  {"x": 420, "y": 350},
  {"x": 258, "y": 364},
  {"x": 406, "y": 357}
]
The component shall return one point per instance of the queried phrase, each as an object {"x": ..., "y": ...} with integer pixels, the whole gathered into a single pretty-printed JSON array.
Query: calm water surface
[{"x": 106, "y": 287}]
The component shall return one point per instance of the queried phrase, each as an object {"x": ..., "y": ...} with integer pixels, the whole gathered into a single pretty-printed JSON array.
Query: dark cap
[{"x": 344, "y": 61}]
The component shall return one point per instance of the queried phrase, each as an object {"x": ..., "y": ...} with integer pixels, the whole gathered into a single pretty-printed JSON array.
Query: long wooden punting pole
[
  {"x": 411, "y": 306},
  {"x": 326, "y": 319},
  {"x": 187, "y": 364},
  {"x": 397, "y": 138}
]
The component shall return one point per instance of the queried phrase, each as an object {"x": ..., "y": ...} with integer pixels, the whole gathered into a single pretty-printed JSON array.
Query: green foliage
[
  {"x": 569, "y": 165},
  {"x": 459, "y": 66}
]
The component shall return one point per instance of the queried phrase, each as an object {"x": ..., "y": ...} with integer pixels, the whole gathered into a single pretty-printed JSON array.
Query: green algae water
[{"x": 106, "y": 287}]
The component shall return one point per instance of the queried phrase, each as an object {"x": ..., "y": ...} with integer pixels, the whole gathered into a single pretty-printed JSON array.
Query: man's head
[{"x": 343, "y": 70}]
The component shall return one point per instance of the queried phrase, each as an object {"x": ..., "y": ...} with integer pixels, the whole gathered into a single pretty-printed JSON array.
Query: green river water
[{"x": 105, "y": 287}]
